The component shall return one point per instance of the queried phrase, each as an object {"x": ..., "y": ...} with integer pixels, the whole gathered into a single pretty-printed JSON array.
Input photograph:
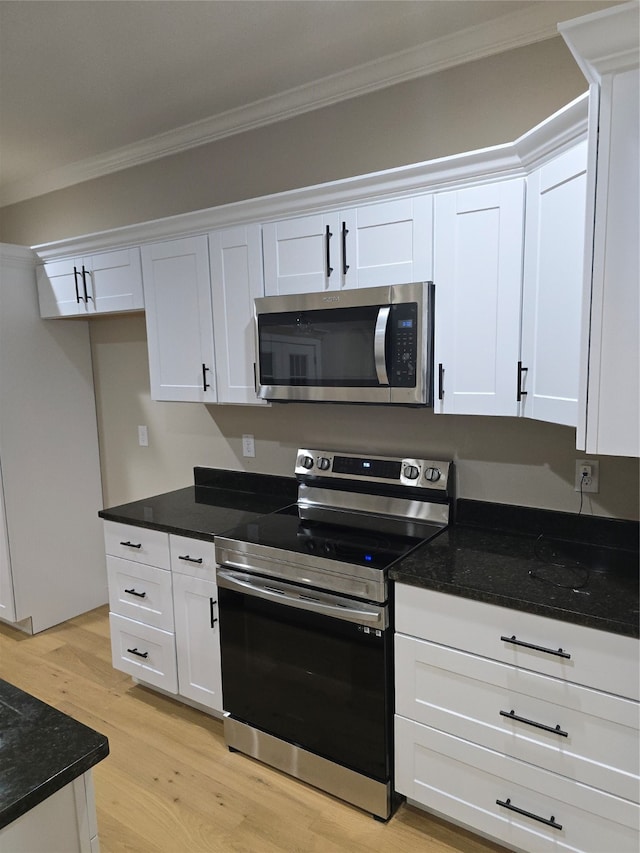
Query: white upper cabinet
[
  {"x": 301, "y": 255},
  {"x": 236, "y": 280},
  {"x": 389, "y": 242},
  {"x": 101, "y": 283},
  {"x": 378, "y": 244},
  {"x": 177, "y": 294},
  {"x": 553, "y": 282},
  {"x": 606, "y": 46},
  {"x": 478, "y": 249}
]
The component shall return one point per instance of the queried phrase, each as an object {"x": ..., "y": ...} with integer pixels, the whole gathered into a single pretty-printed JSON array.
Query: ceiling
[{"x": 88, "y": 87}]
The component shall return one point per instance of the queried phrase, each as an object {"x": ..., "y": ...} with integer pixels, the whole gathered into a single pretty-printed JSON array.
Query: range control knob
[
  {"x": 411, "y": 472},
  {"x": 432, "y": 475},
  {"x": 324, "y": 463},
  {"x": 307, "y": 462}
]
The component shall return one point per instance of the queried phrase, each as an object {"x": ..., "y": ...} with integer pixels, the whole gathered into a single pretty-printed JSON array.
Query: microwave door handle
[{"x": 379, "y": 340}]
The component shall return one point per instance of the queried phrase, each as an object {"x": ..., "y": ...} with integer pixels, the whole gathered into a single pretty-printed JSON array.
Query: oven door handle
[
  {"x": 312, "y": 600},
  {"x": 379, "y": 341}
]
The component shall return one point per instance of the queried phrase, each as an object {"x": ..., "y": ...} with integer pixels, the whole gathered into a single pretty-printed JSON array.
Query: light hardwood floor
[{"x": 170, "y": 785}]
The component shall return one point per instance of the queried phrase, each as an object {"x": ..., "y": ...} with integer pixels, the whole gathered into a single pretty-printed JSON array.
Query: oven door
[{"x": 310, "y": 668}]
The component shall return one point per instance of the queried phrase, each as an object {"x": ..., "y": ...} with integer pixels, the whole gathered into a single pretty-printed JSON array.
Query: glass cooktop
[{"x": 286, "y": 531}]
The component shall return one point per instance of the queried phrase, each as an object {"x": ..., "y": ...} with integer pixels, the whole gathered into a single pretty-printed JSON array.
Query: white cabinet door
[
  {"x": 301, "y": 255},
  {"x": 7, "y": 602},
  {"x": 377, "y": 244},
  {"x": 613, "y": 398},
  {"x": 195, "y": 604},
  {"x": 177, "y": 295},
  {"x": 236, "y": 280},
  {"x": 553, "y": 283},
  {"x": 478, "y": 276},
  {"x": 387, "y": 243},
  {"x": 105, "y": 282}
]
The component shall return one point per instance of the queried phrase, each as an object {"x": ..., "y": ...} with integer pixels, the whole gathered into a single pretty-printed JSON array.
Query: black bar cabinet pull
[
  {"x": 75, "y": 281},
  {"x": 139, "y": 654},
  {"x": 557, "y": 652},
  {"x": 440, "y": 382},
  {"x": 212, "y": 604},
  {"x": 328, "y": 236},
  {"x": 555, "y": 730},
  {"x": 132, "y": 544},
  {"x": 84, "y": 284},
  {"x": 189, "y": 559},
  {"x": 133, "y": 592},
  {"x": 205, "y": 384},
  {"x": 345, "y": 265},
  {"x": 520, "y": 393},
  {"x": 547, "y": 821}
]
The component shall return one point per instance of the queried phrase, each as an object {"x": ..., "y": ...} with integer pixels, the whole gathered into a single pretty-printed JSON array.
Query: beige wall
[
  {"x": 498, "y": 459},
  {"x": 483, "y": 103}
]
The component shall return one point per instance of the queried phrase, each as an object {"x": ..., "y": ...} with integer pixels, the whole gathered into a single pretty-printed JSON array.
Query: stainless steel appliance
[
  {"x": 373, "y": 345},
  {"x": 306, "y": 619}
]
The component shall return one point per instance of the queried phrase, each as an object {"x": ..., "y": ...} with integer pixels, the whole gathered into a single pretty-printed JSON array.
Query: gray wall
[{"x": 483, "y": 103}]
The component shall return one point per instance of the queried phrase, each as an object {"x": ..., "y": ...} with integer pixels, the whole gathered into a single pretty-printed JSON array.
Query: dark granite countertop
[
  {"x": 535, "y": 568},
  {"x": 219, "y": 501},
  {"x": 492, "y": 553},
  {"x": 41, "y": 751}
]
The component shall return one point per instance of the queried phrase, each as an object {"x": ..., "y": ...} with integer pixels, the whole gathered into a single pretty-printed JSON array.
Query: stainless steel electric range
[{"x": 306, "y": 619}]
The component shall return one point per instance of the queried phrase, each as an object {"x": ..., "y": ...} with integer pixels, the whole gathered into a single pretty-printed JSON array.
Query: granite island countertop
[
  {"x": 594, "y": 583},
  {"x": 41, "y": 751}
]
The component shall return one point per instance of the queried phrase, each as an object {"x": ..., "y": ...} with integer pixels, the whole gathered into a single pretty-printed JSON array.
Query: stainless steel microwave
[{"x": 373, "y": 345}]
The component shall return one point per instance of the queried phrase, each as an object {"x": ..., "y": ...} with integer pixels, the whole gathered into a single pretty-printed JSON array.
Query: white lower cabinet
[
  {"x": 164, "y": 614},
  {"x": 198, "y": 640},
  {"x": 63, "y": 823},
  {"x": 535, "y": 744}
]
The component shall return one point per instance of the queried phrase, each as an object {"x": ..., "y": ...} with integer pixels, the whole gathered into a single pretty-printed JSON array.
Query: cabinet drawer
[
  {"x": 463, "y": 781},
  {"x": 147, "y": 654},
  {"x": 193, "y": 557},
  {"x": 137, "y": 543},
  {"x": 594, "y": 658},
  {"x": 597, "y": 737},
  {"x": 140, "y": 592}
]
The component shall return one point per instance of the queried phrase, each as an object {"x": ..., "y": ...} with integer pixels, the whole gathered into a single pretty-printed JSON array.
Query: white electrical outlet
[
  {"x": 143, "y": 436},
  {"x": 248, "y": 446},
  {"x": 587, "y": 476}
]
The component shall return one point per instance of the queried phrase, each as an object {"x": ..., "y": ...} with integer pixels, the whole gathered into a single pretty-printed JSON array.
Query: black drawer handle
[
  {"x": 189, "y": 559},
  {"x": 75, "y": 279},
  {"x": 327, "y": 237},
  {"x": 519, "y": 392},
  {"x": 133, "y": 592},
  {"x": 139, "y": 654},
  {"x": 440, "y": 382},
  {"x": 557, "y": 652},
  {"x": 345, "y": 265},
  {"x": 556, "y": 730},
  {"x": 205, "y": 385},
  {"x": 547, "y": 821},
  {"x": 212, "y": 604},
  {"x": 132, "y": 545}
]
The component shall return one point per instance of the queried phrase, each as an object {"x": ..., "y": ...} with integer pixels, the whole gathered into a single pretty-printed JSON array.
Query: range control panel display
[
  {"x": 421, "y": 473},
  {"x": 382, "y": 468}
]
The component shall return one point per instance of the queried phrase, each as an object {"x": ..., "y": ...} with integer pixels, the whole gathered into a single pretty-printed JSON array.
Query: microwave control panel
[{"x": 403, "y": 345}]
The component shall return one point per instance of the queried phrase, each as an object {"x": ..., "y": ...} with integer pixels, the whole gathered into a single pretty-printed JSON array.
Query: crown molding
[
  {"x": 605, "y": 42},
  {"x": 14, "y": 254},
  {"x": 500, "y": 162},
  {"x": 515, "y": 29}
]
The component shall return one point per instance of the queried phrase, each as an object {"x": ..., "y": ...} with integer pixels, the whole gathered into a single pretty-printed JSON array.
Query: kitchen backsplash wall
[{"x": 504, "y": 460}]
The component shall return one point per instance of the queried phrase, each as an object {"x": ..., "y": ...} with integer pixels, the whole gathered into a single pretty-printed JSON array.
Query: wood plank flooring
[{"x": 170, "y": 785}]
